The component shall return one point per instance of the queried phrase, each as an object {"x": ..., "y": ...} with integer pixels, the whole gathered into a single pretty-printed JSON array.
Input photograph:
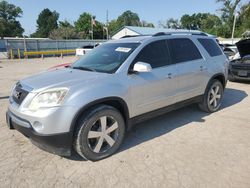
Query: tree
[
  {"x": 228, "y": 11},
  {"x": 65, "y": 33},
  {"x": 146, "y": 24},
  {"x": 65, "y": 23},
  {"x": 170, "y": 23},
  {"x": 83, "y": 24},
  {"x": 244, "y": 20},
  {"x": 113, "y": 27},
  {"x": 46, "y": 22},
  {"x": 188, "y": 22},
  {"x": 128, "y": 18},
  {"x": 9, "y": 26}
]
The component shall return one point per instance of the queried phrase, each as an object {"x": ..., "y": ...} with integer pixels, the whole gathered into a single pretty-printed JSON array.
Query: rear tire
[
  {"x": 212, "y": 98},
  {"x": 99, "y": 133}
]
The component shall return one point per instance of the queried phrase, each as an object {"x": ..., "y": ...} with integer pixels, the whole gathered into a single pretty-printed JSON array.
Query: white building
[{"x": 133, "y": 31}]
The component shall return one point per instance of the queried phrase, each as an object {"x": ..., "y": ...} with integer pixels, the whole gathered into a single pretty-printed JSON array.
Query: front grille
[
  {"x": 241, "y": 67},
  {"x": 19, "y": 94}
]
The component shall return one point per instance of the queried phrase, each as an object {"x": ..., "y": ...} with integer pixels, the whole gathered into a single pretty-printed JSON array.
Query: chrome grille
[{"x": 19, "y": 94}]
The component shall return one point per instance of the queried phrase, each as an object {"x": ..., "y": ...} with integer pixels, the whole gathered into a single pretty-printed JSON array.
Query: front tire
[
  {"x": 99, "y": 133},
  {"x": 212, "y": 98}
]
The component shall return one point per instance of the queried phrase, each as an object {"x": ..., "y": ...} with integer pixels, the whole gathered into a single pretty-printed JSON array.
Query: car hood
[
  {"x": 60, "y": 78},
  {"x": 243, "y": 47}
]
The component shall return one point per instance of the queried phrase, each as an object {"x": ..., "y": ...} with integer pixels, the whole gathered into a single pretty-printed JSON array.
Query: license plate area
[{"x": 242, "y": 73}]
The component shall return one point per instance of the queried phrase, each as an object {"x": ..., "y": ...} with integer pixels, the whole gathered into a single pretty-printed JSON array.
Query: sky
[{"x": 148, "y": 10}]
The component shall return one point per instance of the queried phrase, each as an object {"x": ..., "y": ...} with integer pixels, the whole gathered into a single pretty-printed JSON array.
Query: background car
[
  {"x": 85, "y": 49},
  {"x": 239, "y": 68}
]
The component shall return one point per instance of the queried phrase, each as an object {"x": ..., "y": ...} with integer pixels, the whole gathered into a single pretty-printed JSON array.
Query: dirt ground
[{"x": 185, "y": 148}]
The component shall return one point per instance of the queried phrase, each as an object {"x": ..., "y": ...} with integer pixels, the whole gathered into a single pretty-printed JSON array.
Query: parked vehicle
[
  {"x": 89, "y": 106},
  {"x": 229, "y": 50},
  {"x": 239, "y": 68},
  {"x": 85, "y": 49}
]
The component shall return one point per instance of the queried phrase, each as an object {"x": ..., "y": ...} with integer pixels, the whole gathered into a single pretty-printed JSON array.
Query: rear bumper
[{"x": 59, "y": 144}]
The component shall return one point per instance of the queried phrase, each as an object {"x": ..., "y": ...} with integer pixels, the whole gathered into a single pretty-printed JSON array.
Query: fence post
[
  {"x": 19, "y": 54},
  {"x": 24, "y": 45},
  {"x": 11, "y": 54}
]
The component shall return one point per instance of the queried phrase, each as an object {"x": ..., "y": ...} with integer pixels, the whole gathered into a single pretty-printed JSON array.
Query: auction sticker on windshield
[{"x": 122, "y": 49}]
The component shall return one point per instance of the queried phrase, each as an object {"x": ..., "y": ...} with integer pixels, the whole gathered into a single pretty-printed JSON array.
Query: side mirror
[{"x": 142, "y": 67}]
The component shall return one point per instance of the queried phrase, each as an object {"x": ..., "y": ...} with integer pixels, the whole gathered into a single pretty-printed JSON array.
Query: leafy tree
[
  {"x": 244, "y": 19},
  {"x": 170, "y": 23},
  {"x": 46, "y": 22},
  {"x": 65, "y": 33},
  {"x": 188, "y": 22},
  {"x": 128, "y": 18},
  {"x": 84, "y": 25},
  {"x": 65, "y": 23},
  {"x": 228, "y": 11},
  {"x": 113, "y": 27},
  {"x": 9, "y": 26},
  {"x": 146, "y": 24},
  {"x": 206, "y": 22}
]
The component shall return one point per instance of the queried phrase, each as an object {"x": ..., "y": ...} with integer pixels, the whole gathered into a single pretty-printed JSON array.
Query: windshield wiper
[{"x": 84, "y": 68}]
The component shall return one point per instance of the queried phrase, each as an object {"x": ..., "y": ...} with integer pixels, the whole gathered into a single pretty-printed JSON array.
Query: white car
[{"x": 85, "y": 49}]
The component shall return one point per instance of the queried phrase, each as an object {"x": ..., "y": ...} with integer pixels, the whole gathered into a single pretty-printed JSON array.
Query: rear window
[
  {"x": 211, "y": 47},
  {"x": 183, "y": 49}
]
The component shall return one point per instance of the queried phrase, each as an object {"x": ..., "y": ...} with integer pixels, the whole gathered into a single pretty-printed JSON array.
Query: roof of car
[{"x": 141, "y": 38}]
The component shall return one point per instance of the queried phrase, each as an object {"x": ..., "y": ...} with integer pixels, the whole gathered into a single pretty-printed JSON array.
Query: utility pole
[
  {"x": 107, "y": 24},
  {"x": 92, "y": 28},
  {"x": 235, "y": 17}
]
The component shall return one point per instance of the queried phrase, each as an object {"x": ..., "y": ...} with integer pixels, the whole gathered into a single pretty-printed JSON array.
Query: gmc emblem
[{"x": 17, "y": 94}]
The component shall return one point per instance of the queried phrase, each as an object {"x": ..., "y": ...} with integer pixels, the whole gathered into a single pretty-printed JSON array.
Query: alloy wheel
[
  {"x": 214, "y": 97},
  {"x": 103, "y": 134}
]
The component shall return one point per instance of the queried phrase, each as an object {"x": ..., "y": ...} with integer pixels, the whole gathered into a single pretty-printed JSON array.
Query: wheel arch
[
  {"x": 219, "y": 77},
  {"x": 115, "y": 102}
]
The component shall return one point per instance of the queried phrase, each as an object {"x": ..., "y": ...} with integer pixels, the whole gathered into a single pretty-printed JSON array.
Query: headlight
[{"x": 48, "y": 98}]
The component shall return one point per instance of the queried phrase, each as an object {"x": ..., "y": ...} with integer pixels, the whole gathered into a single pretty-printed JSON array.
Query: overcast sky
[{"x": 149, "y": 10}]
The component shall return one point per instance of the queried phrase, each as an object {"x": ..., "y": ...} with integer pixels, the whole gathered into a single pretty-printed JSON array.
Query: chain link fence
[{"x": 15, "y": 48}]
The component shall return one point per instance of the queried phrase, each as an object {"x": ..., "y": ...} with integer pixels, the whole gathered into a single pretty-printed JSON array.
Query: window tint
[
  {"x": 107, "y": 57},
  {"x": 183, "y": 50},
  {"x": 211, "y": 47},
  {"x": 156, "y": 54}
]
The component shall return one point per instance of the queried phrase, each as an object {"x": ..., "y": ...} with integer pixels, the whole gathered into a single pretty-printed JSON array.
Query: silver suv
[{"x": 90, "y": 105}]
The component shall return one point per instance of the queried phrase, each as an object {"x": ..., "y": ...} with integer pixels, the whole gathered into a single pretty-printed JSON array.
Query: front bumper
[
  {"x": 233, "y": 74},
  {"x": 59, "y": 144}
]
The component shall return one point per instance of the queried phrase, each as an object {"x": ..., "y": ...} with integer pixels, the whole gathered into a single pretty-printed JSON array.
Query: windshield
[{"x": 106, "y": 58}]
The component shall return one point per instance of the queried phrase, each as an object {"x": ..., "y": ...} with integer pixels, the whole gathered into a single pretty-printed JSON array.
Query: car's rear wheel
[
  {"x": 99, "y": 133},
  {"x": 212, "y": 98}
]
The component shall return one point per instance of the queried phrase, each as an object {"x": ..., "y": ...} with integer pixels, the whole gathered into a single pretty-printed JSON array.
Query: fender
[{"x": 107, "y": 100}]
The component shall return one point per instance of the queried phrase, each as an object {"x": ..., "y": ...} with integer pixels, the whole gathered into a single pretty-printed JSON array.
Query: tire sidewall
[
  {"x": 86, "y": 125},
  {"x": 212, "y": 85}
]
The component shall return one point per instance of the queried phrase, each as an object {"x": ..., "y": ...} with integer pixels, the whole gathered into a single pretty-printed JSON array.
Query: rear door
[
  {"x": 191, "y": 68},
  {"x": 156, "y": 89}
]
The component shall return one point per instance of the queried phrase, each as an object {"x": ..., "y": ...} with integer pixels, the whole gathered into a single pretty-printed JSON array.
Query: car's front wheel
[
  {"x": 212, "y": 98},
  {"x": 99, "y": 133}
]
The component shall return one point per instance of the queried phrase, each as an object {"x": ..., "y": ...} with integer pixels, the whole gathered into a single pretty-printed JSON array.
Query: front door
[{"x": 156, "y": 89}]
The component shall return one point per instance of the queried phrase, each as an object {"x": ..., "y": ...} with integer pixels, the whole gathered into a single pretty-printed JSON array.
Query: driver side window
[{"x": 156, "y": 54}]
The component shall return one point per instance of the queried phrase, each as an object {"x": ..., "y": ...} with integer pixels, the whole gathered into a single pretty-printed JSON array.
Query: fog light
[{"x": 37, "y": 125}]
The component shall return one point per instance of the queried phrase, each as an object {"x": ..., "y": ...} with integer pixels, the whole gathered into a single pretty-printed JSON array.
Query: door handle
[
  {"x": 170, "y": 75},
  {"x": 202, "y": 68}
]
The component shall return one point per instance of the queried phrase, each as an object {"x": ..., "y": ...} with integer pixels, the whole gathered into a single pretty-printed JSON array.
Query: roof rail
[
  {"x": 129, "y": 36},
  {"x": 180, "y": 33}
]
